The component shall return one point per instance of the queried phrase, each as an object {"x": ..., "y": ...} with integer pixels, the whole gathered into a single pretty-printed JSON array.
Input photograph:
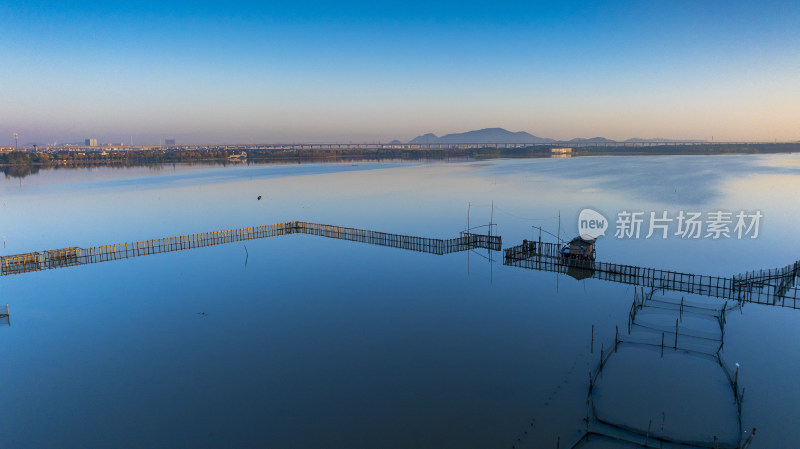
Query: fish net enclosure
[
  {"x": 663, "y": 382},
  {"x": 592, "y": 440},
  {"x": 778, "y": 287}
]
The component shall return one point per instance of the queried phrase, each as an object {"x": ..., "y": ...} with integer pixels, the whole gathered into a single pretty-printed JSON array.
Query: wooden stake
[
  {"x": 601, "y": 356},
  {"x": 676, "y": 334}
]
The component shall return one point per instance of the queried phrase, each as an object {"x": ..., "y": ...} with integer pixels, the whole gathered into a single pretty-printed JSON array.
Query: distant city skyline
[
  {"x": 351, "y": 71},
  {"x": 493, "y": 135}
]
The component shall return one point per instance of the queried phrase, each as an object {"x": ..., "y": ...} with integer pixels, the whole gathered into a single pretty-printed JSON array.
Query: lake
[{"x": 302, "y": 341}]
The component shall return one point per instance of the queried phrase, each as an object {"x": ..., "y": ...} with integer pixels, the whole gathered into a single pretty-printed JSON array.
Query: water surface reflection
[{"x": 321, "y": 343}]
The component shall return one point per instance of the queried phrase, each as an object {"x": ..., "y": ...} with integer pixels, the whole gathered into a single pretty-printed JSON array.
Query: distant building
[
  {"x": 91, "y": 142},
  {"x": 561, "y": 150},
  {"x": 169, "y": 141}
]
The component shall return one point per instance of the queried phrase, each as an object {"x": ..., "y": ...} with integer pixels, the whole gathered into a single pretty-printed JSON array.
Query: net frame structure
[{"x": 683, "y": 339}]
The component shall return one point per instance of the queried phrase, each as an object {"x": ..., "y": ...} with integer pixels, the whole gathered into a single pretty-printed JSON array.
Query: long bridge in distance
[
  {"x": 374, "y": 146},
  {"x": 65, "y": 257},
  {"x": 777, "y": 287}
]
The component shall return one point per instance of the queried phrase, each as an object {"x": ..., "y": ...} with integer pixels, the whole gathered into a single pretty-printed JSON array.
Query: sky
[{"x": 351, "y": 71}]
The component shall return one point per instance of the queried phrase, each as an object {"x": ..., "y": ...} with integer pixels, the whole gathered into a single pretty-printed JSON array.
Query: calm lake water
[{"x": 306, "y": 342}]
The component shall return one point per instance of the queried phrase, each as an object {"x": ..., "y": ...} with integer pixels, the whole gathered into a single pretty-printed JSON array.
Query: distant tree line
[{"x": 20, "y": 163}]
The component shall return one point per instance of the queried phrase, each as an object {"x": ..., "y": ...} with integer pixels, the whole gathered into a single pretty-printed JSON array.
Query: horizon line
[{"x": 374, "y": 144}]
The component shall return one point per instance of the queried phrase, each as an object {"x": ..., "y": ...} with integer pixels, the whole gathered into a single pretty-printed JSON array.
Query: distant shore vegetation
[{"x": 23, "y": 163}]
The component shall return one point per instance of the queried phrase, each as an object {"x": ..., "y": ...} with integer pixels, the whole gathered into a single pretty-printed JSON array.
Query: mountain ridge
[
  {"x": 501, "y": 135},
  {"x": 485, "y": 135}
]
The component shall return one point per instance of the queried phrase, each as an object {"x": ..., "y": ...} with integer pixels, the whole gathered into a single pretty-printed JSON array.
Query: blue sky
[{"x": 375, "y": 71}]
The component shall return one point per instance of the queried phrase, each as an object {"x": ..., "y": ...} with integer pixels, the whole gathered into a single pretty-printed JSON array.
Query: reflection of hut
[
  {"x": 580, "y": 271},
  {"x": 581, "y": 247}
]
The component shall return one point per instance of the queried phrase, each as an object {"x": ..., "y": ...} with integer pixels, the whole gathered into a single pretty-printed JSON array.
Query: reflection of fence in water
[
  {"x": 619, "y": 413},
  {"x": 774, "y": 287},
  {"x": 22, "y": 263},
  {"x": 65, "y": 257},
  {"x": 5, "y": 318},
  {"x": 465, "y": 242}
]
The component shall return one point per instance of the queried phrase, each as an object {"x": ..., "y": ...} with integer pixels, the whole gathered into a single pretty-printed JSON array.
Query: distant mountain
[
  {"x": 592, "y": 140},
  {"x": 425, "y": 138},
  {"x": 500, "y": 135},
  {"x": 487, "y": 135},
  {"x": 395, "y": 142}
]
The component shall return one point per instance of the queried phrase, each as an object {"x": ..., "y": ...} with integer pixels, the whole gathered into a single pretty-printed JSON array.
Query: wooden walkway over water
[
  {"x": 774, "y": 287},
  {"x": 65, "y": 257}
]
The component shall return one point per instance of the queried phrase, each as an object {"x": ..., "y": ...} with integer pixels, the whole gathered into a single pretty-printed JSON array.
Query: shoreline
[{"x": 21, "y": 164}]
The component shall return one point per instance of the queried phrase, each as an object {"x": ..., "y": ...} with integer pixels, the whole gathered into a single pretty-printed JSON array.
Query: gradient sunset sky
[{"x": 349, "y": 71}]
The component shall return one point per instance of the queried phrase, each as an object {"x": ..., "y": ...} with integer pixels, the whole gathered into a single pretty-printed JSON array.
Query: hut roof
[{"x": 583, "y": 239}]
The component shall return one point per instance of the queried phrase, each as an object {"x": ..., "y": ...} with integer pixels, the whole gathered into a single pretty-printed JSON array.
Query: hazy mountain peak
[
  {"x": 501, "y": 135},
  {"x": 591, "y": 139},
  {"x": 485, "y": 135}
]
